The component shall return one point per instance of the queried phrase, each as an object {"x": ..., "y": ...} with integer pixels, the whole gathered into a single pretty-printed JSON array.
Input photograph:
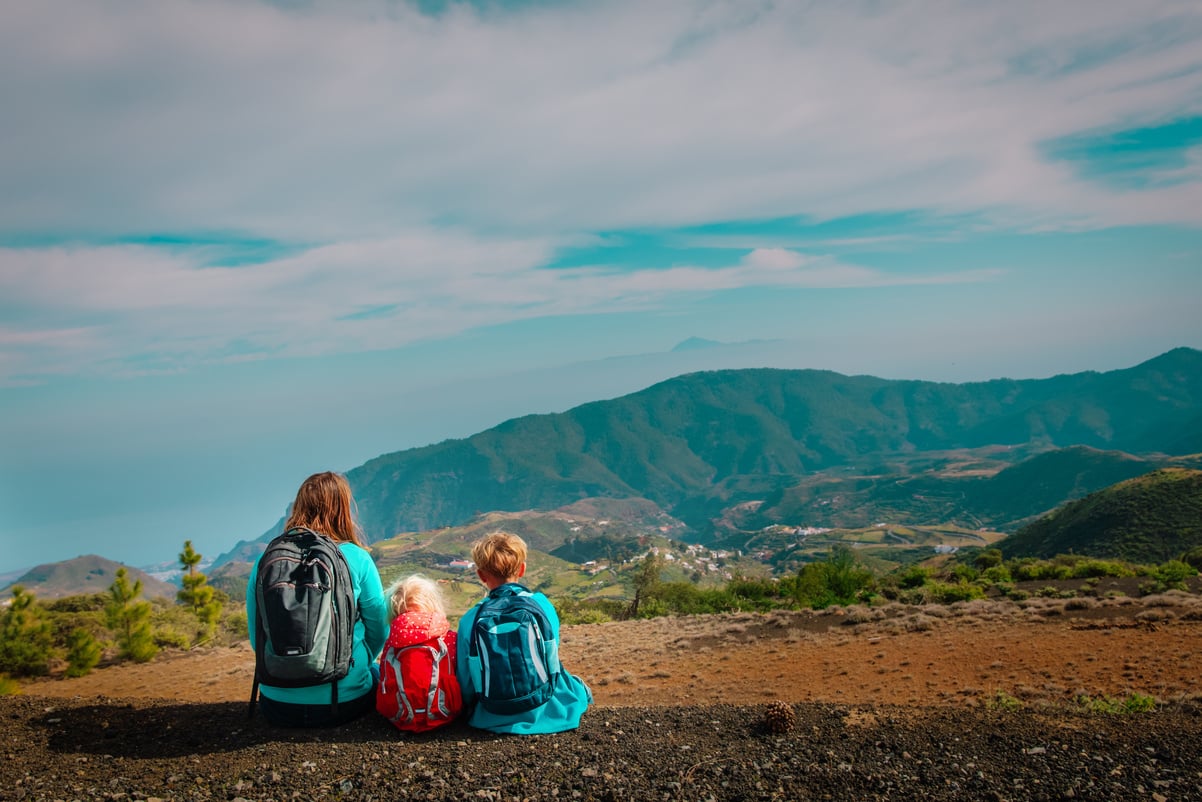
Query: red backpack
[{"x": 418, "y": 689}]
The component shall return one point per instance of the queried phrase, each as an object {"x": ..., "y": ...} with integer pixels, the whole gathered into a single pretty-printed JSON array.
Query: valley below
[{"x": 1043, "y": 699}]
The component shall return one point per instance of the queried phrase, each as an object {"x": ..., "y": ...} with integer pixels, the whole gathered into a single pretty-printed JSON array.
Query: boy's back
[
  {"x": 553, "y": 706},
  {"x": 508, "y": 664},
  {"x": 512, "y": 653}
]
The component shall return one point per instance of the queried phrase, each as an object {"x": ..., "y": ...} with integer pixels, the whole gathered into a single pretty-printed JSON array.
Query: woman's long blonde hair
[{"x": 325, "y": 505}]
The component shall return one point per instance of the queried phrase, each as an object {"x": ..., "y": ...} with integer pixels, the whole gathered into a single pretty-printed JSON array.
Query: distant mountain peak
[
  {"x": 695, "y": 344},
  {"x": 88, "y": 573}
]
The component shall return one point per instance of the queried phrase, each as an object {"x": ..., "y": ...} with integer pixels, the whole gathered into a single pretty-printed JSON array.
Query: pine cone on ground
[{"x": 779, "y": 717}]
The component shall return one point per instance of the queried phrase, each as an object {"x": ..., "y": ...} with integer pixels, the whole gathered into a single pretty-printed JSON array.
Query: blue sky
[{"x": 243, "y": 241}]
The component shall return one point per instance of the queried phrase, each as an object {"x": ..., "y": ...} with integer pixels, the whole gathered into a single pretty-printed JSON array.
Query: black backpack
[{"x": 304, "y": 629}]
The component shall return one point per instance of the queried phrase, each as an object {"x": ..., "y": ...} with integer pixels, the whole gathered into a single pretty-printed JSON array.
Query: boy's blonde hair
[
  {"x": 500, "y": 554},
  {"x": 415, "y": 592}
]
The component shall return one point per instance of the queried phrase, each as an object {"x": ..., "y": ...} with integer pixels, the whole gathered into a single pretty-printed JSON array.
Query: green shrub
[
  {"x": 839, "y": 579},
  {"x": 914, "y": 577},
  {"x": 83, "y": 652},
  {"x": 1088, "y": 568},
  {"x": 987, "y": 559},
  {"x": 168, "y": 637},
  {"x": 587, "y": 617},
  {"x": 575, "y": 611},
  {"x": 1152, "y": 587},
  {"x": 1000, "y": 700},
  {"x": 890, "y": 591},
  {"x": 949, "y": 593},
  {"x": 1138, "y": 703},
  {"x": 236, "y": 624},
  {"x": 25, "y": 637},
  {"x": 1050, "y": 592},
  {"x": 752, "y": 589},
  {"x": 84, "y": 603},
  {"x": 919, "y": 596},
  {"x": 1067, "y": 566},
  {"x": 964, "y": 573},
  {"x": 1111, "y": 706},
  {"x": 1028, "y": 569},
  {"x": 1193, "y": 558},
  {"x": 1173, "y": 574},
  {"x": 998, "y": 575},
  {"x": 652, "y": 607}
]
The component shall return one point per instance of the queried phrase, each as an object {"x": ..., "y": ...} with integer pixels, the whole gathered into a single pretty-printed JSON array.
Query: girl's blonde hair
[
  {"x": 324, "y": 504},
  {"x": 416, "y": 592}
]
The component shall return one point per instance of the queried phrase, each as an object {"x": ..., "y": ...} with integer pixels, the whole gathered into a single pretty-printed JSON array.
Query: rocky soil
[
  {"x": 111, "y": 749},
  {"x": 979, "y": 702}
]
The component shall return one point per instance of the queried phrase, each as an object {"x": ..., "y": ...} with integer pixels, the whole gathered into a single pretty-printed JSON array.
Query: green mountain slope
[
  {"x": 1151, "y": 518},
  {"x": 698, "y": 445},
  {"x": 973, "y": 489},
  {"x": 695, "y": 443}
]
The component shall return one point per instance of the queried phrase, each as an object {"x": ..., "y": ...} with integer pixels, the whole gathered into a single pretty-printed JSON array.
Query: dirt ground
[
  {"x": 1045, "y": 651},
  {"x": 977, "y": 701}
]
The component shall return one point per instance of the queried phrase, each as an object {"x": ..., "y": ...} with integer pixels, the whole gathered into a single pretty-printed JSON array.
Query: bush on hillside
[
  {"x": 25, "y": 637},
  {"x": 952, "y": 592},
  {"x": 83, "y": 653},
  {"x": 1193, "y": 558}
]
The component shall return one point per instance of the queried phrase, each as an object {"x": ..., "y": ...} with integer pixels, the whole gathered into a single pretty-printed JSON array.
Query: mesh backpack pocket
[{"x": 513, "y": 656}]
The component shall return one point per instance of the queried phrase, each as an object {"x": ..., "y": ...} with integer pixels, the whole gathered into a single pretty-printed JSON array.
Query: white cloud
[
  {"x": 331, "y": 123},
  {"x": 774, "y": 259},
  {"x": 153, "y": 310},
  {"x": 432, "y": 165}
]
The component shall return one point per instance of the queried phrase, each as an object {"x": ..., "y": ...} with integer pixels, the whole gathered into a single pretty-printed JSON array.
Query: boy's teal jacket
[
  {"x": 563, "y": 711},
  {"x": 371, "y": 630}
]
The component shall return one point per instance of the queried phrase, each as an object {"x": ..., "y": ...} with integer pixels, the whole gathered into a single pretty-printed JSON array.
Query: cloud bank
[{"x": 414, "y": 175}]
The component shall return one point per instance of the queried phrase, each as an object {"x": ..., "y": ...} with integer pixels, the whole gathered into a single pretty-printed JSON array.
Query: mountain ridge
[
  {"x": 699, "y": 443},
  {"x": 694, "y": 433}
]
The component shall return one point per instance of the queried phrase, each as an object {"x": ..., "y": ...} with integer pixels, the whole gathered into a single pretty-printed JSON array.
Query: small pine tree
[
  {"x": 83, "y": 652},
  {"x": 129, "y": 616},
  {"x": 25, "y": 639},
  {"x": 198, "y": 594},
  {"x": 646, "y": 582}
]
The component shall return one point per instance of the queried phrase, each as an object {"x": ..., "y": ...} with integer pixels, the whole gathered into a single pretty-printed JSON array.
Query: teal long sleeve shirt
[{"x": 371, "y": 630}]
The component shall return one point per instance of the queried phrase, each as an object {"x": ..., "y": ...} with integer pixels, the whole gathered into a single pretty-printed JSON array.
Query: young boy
[{"x": 508, "y": 662}]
